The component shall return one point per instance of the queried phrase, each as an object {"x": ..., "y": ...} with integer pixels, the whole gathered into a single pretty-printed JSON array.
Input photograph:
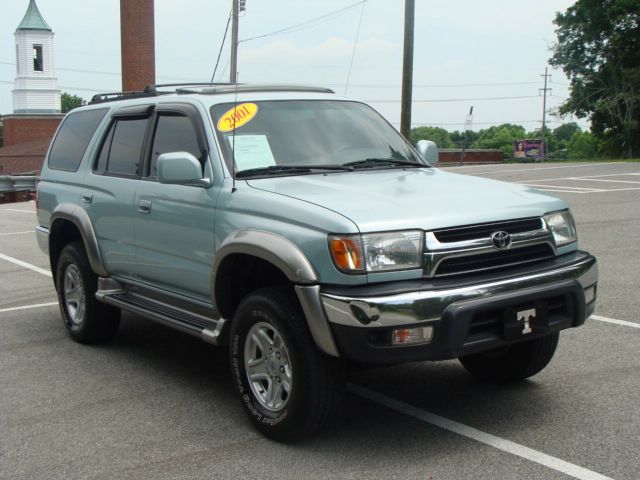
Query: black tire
[
  {"x": 312, "y": 384},
  {"x": 512, "y": 363},
  {"x": 86, "y": 319}
]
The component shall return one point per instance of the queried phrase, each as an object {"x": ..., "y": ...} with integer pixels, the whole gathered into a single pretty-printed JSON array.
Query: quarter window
[{"x": 73, "y": 138}]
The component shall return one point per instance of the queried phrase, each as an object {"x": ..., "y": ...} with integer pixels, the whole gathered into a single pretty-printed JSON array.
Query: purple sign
[{"x": 528, "y": 149}]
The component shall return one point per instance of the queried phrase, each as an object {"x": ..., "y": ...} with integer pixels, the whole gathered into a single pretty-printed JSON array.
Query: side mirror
[
  {"x": 180, "y": 168},
  {"x": 428, "y": 150}
]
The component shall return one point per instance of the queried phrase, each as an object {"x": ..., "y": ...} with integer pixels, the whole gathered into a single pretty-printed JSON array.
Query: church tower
[{"x": 36, "y": 87}]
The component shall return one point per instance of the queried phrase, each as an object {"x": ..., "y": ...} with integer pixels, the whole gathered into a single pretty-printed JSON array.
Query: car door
[
  {"x": 174, "y": 224},
  {"x": 108, "y": 196}
]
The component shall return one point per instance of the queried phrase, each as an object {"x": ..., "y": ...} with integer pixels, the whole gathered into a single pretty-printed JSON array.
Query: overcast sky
[{"x": 464, "y": 49}]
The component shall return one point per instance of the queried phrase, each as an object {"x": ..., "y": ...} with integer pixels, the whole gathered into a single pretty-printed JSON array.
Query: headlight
[
  {"x": 562, "y": 227},
  {"x": 377, "y": 252}
]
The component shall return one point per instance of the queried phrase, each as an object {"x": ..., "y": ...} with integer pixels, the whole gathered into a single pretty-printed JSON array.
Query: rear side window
[
  {"x": 121, "y": 151},
  {"x": 72, "y": 139}
]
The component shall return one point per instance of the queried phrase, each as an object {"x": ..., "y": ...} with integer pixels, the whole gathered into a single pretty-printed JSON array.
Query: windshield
[{"x": 315, "y": 136}]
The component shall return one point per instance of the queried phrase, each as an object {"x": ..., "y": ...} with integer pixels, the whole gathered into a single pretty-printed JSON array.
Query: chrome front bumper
[{"x": 429, "y": 305}]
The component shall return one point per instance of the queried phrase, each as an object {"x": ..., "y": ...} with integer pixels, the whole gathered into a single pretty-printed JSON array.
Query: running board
[{"x": 207, "y": 329}]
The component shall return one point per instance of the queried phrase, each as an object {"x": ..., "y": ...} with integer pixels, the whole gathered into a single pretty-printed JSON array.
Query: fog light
[
  {"x": 410, "y": 336},
  {"x": 590, "y": 294}
]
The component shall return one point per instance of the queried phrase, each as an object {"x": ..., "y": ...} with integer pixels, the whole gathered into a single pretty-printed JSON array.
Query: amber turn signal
[{"x": 347, "y": 253}]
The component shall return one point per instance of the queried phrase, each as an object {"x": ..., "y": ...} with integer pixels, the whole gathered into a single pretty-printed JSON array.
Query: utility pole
[
  {"x": 544, "y": 109},
  {"x": 233, "y": 74},
  {"x": 407, "y": 69}
]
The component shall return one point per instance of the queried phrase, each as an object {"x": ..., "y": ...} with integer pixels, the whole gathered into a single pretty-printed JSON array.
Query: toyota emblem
[{"x": 501, "y": 240}]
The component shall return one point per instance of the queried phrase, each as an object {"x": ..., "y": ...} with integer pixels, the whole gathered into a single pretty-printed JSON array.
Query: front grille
[
  {"x": 485, "y": 230},
  {"x": 502, "y": 259}
]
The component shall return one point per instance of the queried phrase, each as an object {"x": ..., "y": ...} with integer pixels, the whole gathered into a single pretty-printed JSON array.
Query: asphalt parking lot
[{"x": 159, "y": 404}]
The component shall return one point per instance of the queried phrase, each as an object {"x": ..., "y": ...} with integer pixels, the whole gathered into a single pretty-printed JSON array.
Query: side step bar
[{"x": 207, "y": 329}]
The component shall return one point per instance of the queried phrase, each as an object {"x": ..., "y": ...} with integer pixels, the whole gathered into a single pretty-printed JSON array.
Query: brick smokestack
[{"x": 137, "y": 42}]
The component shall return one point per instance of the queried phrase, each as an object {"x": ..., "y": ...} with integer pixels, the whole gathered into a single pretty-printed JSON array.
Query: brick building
[{"x": 36, "y": 97}]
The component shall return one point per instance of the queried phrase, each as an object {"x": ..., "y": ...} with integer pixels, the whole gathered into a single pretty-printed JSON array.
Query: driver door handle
[{"x": 144, "y": 206}]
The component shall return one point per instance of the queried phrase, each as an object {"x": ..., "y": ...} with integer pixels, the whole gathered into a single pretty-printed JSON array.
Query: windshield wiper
[
  {"x": 376, "y": 162},
  {"x": 276, "y": 169}
]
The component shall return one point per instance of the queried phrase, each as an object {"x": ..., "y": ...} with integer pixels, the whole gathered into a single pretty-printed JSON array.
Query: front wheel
[
  {"x": 514, "y": 362},
  {"x": 288, "y": 388}
]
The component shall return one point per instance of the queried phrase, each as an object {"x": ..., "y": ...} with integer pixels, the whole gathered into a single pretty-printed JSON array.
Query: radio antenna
[{"x": 233, "y": 141}]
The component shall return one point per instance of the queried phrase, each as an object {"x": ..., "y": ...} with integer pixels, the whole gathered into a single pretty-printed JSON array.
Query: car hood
[{"x": 424, "y": 198}]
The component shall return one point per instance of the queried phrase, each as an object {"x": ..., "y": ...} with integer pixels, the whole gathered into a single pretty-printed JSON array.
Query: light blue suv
[{"x": 302, "y": 231}]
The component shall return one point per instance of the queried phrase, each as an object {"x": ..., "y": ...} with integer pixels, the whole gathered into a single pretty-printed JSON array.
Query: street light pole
[{"x": 407, "y": 69}]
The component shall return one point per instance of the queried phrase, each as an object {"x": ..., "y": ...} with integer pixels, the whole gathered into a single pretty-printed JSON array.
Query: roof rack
[
  {"x": 256, "y": 87},
  {"x": 206, "y": 88}
]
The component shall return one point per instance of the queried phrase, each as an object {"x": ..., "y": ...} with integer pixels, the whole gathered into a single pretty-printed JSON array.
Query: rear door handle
[
  {"x": 87, "y": 197},
  {"x": 144, "y": 206}
]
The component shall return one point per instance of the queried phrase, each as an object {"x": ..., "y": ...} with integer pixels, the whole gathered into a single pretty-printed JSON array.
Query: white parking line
[
  {"x": 512, "y": 170},
  {"x": 508, "y": 446},
  {"x": 16, "y": 210},
  {"x": 16, "y": 233},
  {"x": 561, "y": 188},
  {"x": 615, "y": 321},
  {"x": 580, "y": 178},
  {"x": 587, "y": 179},
  {"x": 25, "y": 265},
  {"x": 27, "y": 307}
]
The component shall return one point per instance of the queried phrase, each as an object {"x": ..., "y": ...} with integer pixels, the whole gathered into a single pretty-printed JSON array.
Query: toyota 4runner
[{"x": 302, "y": 231}]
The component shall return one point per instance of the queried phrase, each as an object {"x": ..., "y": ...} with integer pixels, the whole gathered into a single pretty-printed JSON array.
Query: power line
[
  {"x": 436, "y": 100},
  {"x": 308, "y": 23},
  {"x": 359, "y": 85},
  {"x": 515, "y": 122},
  {"x": 224, "y": 38},
  {"x": 433, "y": 85},
  {"x": 355, "y": 44}
]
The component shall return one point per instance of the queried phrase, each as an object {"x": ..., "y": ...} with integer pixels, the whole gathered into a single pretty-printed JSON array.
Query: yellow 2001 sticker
[{"x": 237, "y": 116}]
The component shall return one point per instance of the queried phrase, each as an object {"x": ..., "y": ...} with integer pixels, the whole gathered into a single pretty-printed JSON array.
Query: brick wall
[
  {"x": 26, "y": 128},
  {"x": 471, "y": 156},
  {"x": 137, "y": 44},
  {"x": 24, "y": 157},
  {"x": 26, "y": 164}
]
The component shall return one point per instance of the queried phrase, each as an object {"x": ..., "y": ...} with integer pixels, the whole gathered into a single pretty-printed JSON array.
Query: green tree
[
  {"x": 457, "y": 137},
  {"x": 436, "y": 134},
  {"x": 564, "y": 132},
  {"x": 583, "y": 145},
  {"x": 69, "y": 102},
  {"x": 500, "y": 137},
  {"x": 597, "y": 49}
]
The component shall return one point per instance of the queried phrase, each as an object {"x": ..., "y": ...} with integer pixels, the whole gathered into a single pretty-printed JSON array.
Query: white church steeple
[{"x": 36, "y": 87}]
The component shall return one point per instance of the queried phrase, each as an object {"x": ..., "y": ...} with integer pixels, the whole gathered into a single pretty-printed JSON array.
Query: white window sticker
[{"x": 252, "y": 151}]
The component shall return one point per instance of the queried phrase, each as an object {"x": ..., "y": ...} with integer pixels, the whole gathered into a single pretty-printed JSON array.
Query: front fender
[
  {"x": 289, "y": 259},
  {"x": 273, "y": 248}
]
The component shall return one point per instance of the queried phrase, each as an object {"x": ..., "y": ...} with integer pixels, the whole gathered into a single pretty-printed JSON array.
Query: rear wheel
[
  {"x": 288, "y": 388},
  {"x": 86, "y": 319},
  {"x": 514, "y": 362}
]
